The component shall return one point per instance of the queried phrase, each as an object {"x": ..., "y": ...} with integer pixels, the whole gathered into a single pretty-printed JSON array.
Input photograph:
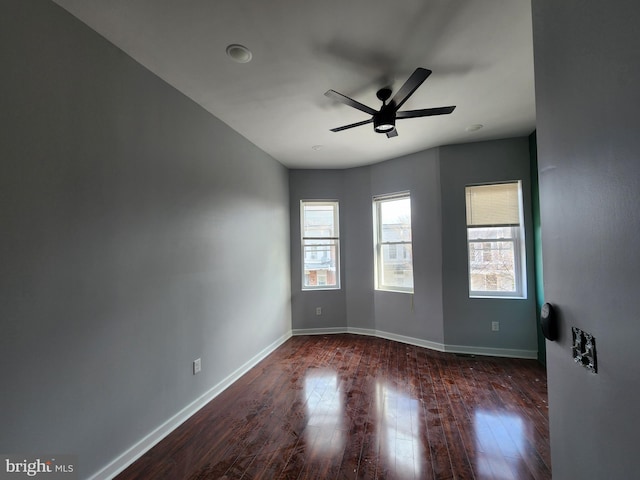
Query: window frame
[
  {"x": 378, "y": 244},
  {"x": 519, "y": 252},
  {"x": 331, "y": 242}
]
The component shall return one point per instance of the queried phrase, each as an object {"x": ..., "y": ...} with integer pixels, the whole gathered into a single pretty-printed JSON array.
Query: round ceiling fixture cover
[{"x": 239, "y": 53}]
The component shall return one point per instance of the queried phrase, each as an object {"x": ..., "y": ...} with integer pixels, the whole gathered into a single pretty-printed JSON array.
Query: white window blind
[{"x": 493, "y": 205}]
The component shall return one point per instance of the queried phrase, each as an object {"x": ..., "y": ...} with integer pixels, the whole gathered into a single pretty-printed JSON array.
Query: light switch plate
[{"x": 584, "y": 349}]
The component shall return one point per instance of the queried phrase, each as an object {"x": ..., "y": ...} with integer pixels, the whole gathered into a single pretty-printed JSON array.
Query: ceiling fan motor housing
[{"x": 385, "y": 120}]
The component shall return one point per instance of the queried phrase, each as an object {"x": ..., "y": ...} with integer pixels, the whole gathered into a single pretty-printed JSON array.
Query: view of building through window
[
  {"x": 320, "y": 245},
  {"x": 394, "y": 262},
  {"x": 492, "y": 263}
]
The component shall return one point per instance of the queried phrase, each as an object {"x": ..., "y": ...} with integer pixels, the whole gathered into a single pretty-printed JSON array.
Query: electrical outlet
[
  {"x": 495, "y": 326},
  {"x": 318, "y": 310},
  {"x": 197, "y": 366}
]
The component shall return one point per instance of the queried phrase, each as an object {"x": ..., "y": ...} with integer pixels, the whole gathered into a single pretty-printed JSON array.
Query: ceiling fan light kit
[{"x": 384, "y": 120}]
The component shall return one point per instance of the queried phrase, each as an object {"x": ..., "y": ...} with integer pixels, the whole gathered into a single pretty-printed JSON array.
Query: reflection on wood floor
[{"x": 350, "y": 406}]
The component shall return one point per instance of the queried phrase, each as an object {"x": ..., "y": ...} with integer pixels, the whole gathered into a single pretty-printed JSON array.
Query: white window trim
[
  {"x": 518, "y": 235},
  {"x": 378, "y": 245},
  {"x": 335, "y": 239}
]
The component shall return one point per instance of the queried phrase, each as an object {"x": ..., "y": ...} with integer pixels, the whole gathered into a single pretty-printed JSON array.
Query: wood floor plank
[{"x": 355, "y": 407}]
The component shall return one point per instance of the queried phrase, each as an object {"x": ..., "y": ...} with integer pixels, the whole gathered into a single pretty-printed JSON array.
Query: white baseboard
[
  {"x": 440, "y": 347},
  {"x": 318, "y": 331},
  {"x": 493, "y": 352},
  {"x": 400, "y": 338},
  {"x": 130, "y": 455}
]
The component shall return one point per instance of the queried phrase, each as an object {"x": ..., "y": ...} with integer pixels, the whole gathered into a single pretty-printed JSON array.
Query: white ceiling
[{"x": 480, "y": 52}]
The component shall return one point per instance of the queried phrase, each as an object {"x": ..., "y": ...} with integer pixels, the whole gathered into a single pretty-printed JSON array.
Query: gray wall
[
  {"x": 587, "y": 97},
  {"x": 324, "y": 185},
  {"x": 440, "y": 310},
  {"x": 358, "y": 248},
  {"x": 357, "y": 305},
  {"x": 468, "y": 320},
  {"x": 138, "y": 233},
  {"x": 421, "y": 316}
]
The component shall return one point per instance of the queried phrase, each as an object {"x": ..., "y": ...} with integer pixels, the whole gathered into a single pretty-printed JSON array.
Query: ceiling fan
[{"x": 384, "y": 120}]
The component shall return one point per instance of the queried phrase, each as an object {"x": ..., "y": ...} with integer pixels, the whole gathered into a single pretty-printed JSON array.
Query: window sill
[
  {"x": 499, "y": 297},
  {"x": 410, "y": 292}
]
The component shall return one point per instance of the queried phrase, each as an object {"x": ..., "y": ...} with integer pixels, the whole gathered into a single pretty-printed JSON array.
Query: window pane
[
  {"x": 489, "y": 233},
  {"x": 395, "y": 220},
  {"x": 492, "y": 266},
  {"x": 319, "y": 221},
  {"x": 397, "y": 268},
  {"x": 319, "y": 263}
]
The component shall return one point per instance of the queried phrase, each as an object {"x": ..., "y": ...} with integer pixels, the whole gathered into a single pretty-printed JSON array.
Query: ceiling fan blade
[
  {"x": 392, "y": 133},
  {"x": 410, "y": 86},
  {"x": 345, "y": 127},
  {"x": 425, "y": 112},
  {"x": 350, "y": 101}
]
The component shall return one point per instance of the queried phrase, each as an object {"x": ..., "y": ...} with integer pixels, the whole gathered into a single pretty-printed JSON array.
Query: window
[
  {"x": 392, "y": 242},
  {"x": 320, "y": 245},
  {"x": 495, "y": 238}
]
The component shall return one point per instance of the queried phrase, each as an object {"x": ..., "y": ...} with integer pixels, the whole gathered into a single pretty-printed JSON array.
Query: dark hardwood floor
[{"x": 350, "y": 406}]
